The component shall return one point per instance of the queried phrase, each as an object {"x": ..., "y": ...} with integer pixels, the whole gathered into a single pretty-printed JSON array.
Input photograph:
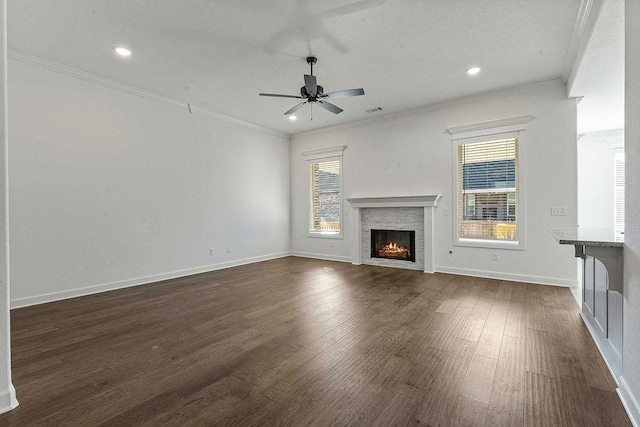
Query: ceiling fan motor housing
[{"x": 304, "y": 94}]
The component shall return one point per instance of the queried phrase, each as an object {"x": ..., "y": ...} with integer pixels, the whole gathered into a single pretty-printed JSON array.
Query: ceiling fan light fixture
[
  {"x": 122, "y": 51},
  {"x": 293, "y": 118},
  {"x": 473, "y": 70}
]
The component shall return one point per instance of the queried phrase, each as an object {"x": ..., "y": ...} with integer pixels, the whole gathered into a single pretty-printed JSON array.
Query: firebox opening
[{"x": 393, "y": 244}]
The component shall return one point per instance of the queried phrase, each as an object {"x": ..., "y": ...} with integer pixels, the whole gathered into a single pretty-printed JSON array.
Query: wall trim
[
  {"x": 324, "y": 153},
  {"x": 131, "y": 90},
  {"x": 95, "y": 289},
  {"x": 539, "y": 280},
  {"x": 509, "y": 124},
  {"x": 629, "y": 401},
  {"x": 325, "y": 257},
  {"x": 8, "y": 400},
  {"x": 486, "y": 96}
]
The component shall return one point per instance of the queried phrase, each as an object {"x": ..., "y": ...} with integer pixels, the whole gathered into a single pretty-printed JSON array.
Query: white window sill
[
  {"x": 490, "y": 244},
  {"x": 324, "y": 235}
]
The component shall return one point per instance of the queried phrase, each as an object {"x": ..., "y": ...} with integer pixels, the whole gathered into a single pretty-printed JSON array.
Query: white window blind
[
  {"x": 324, "y": 196},
  {"x": 488, "y": 190},
  {"x": 619, "y": 190}
]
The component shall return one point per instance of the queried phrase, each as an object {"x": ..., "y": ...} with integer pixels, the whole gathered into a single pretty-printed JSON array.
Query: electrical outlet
[
  {"x": 559, "y": 211},
  {"x": 211, "y": 251},
  {"x": 495, "y": 256},
  {"x": 445, "y": 211},
  {"x": 229, "y": 249}
]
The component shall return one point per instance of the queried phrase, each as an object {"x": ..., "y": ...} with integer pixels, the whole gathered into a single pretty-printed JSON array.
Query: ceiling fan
[{"x": 311, "y": 92}]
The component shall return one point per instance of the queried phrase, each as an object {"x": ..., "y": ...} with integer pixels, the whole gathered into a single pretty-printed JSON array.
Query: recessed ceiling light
[
  {"x": 122, "y": 51},
  {"x": 473, "y": 70},
  {"x": 293, "y": 118}
]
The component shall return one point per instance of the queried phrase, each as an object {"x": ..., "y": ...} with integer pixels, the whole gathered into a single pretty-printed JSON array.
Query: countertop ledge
[{"x": 604, "y": 237}]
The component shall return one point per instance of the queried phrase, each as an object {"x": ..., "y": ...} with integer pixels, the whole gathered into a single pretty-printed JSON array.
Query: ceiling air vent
[{"x": 373, "y": 110}]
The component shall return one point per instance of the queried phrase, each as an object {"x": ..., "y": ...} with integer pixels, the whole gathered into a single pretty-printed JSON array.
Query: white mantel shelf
[
  {"x": 394, "y": 202},
  {"x": 426, "y": 202}
]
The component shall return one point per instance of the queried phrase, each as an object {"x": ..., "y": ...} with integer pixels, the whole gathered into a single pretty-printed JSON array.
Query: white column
[
  {"x": 357, "y": 239},
  {"x": 428, "y": 239},
  {"x": 7, "y": 392}
]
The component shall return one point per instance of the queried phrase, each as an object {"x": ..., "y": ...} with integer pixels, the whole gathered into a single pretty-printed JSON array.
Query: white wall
[
  {"x": 630, "y": 383},
  {"x": 109, "y": 189},
  {"x": 7, "y": 392},
  {"x": 412, "y": 155},
  {"x": 596, "y": 178}
]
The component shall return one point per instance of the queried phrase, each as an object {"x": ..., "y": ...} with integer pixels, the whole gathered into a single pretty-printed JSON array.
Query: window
[
  {"x": 324, "y": 168},
  {"x": 487, "y": 186},
  {"x": 324, "y": 196},
  {"x": 619, "y": 190},
  {"x": 489, "y": 176}
]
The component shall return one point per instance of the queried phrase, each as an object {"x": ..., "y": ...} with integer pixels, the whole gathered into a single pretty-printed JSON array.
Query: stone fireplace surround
[{"x": 405, "y": 212}]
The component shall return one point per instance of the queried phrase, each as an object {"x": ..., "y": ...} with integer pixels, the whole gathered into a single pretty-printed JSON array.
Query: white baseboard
[
  {"x": 577, "y": 295},
  {"x": 72, "y": 293},
  {"x": 508, "y": 276},
  {"x": 8, "y": 400},
  {"x": 610, "y": 356},
  {"x": 322, "y": 256},
  {"x": 629, "y": 402}
]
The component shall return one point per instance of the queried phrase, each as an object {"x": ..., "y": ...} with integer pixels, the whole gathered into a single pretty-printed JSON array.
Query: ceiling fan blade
[
  {"x": 330, "y": 107},
  {"x": 280, "y": 96},
  {"x": 343, "y": 93},
  {"x": 294, "y": 109},
  {"x": 311, "y": 84}
]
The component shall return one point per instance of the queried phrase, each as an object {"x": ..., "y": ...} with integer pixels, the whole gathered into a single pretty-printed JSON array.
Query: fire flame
[{"x": 394, "y": 250}]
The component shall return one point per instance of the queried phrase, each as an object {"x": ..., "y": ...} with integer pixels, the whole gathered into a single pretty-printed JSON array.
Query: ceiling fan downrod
[{"x": 311, "y": 60}]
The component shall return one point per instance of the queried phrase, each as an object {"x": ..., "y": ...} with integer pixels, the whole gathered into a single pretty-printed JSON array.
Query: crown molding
[
  {"x": 582, "y": 30},
  {"x": 487, "y": 96},
  {"x": 131, "y": 90}
]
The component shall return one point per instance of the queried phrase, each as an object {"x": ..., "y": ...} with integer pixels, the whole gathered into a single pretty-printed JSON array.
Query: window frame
[
  {"x": 321, "y": 156},
  {"x": 488, "y": 136}
]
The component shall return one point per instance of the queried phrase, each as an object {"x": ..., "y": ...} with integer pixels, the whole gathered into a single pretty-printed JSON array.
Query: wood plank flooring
[{"x": 297, "y": 342}]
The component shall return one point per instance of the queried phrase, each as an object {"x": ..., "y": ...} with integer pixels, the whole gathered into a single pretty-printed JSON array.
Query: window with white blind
[
  {"x": 488, "y": 192},
  {"x": 619, "y": 190},
  {"x": 324, "y": 174}
]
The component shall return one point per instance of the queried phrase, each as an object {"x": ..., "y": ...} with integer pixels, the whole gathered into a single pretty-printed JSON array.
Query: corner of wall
[{"x": 8, "y": 400}]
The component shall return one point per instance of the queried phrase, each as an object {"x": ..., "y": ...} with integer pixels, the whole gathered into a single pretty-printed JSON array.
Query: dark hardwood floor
[{"x": 296, "y": 342}]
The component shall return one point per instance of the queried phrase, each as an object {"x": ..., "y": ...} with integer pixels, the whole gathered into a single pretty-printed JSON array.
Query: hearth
[{"x": 393, "y": 244}]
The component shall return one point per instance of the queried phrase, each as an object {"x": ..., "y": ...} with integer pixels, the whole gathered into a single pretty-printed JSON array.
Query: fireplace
[
  {"x": 393, "y": 244},
  {"x": 394, "y": 213}
]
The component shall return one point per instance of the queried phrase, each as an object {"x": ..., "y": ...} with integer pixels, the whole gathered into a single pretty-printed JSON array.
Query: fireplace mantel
[
  {"x": 426, "y": 202},
  {"x": 394, "y": 202}
]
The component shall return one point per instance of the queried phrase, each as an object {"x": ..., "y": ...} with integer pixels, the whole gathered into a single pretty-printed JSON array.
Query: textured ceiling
[{"x": 218, "y": 55}]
